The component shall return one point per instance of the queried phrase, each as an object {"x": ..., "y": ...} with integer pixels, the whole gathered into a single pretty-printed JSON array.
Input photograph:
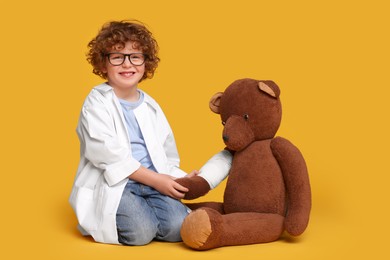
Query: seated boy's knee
[
  {"x": 170, "y": 233},
  {"x": 138, "y": 238}
]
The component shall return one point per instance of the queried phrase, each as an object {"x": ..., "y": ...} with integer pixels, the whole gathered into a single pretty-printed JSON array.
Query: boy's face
[{"x": 126, "y": 76}]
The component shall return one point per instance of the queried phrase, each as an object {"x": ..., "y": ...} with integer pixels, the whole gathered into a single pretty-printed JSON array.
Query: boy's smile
[{"x": 127, "y": 73}]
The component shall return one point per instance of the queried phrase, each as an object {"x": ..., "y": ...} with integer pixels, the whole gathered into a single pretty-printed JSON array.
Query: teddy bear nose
[{"x": 225, "y": 138}]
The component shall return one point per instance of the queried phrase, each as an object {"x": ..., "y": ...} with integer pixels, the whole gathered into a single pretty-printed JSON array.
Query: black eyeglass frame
[{"x": 126, "y": 55}]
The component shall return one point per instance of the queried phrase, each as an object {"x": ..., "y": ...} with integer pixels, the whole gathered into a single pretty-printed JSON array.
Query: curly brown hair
[{"x": 118, "y": 33}]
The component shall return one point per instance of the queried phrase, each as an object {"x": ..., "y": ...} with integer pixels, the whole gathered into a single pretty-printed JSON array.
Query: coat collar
[{"x": 106, "y": 89}]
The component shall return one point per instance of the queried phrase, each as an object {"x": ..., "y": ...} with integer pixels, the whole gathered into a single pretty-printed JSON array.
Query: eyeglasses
[{"x": 117, "y": 59}]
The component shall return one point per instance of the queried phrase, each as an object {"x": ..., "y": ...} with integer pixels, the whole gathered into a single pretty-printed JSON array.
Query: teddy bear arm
[
  {"x": 295, "y": 175},
  {"x": 197, "y": 186}
]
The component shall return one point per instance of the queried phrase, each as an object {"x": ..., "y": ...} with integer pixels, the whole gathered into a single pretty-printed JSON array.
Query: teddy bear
[{"x": 267, "y": 191}]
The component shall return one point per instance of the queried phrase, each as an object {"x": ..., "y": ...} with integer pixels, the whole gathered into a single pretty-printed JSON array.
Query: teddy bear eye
[
  {"x": 246, "y": 116},
  {"x": 223, "y": 122}
]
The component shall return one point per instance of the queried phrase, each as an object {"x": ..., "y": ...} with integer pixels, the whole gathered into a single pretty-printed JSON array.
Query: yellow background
[{"x": 330, "y": 59}]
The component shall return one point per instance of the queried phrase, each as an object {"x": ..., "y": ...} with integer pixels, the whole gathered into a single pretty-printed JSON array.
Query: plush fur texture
[{"x": 268, "y": 189}]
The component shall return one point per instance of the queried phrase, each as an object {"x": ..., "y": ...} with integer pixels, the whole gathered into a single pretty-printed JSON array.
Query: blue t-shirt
[{"x": 138, "y": 146}]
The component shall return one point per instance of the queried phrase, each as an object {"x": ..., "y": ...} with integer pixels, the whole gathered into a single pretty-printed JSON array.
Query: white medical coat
[{"x": 106, "y": 160}]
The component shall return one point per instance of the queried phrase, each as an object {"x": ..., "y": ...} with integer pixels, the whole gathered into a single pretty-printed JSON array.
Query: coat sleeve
[{"x": 101, "y": 143}]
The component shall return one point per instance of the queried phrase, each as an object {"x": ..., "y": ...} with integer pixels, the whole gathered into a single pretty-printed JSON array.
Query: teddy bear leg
[
  {"x": 244, "y": 228},
  {"x": 206, "y": 229}
]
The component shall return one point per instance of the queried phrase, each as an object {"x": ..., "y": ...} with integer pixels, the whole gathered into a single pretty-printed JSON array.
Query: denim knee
[
  {"x": 170, "y": 232},
  {"x": 139, "y": 237}
]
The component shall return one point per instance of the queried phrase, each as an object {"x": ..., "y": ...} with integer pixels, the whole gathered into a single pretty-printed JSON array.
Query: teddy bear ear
[
  {"x": 269, "y": 87},
  {"x": 215, "y": 102}
]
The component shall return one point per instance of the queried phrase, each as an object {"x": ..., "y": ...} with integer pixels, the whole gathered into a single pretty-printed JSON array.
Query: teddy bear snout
[{"x": 237, "y": 133}]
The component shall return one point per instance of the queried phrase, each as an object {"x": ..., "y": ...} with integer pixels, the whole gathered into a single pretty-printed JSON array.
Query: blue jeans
[{"x": 145, "y": 214}]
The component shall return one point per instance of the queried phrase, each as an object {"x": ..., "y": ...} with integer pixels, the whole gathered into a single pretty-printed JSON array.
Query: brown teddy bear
[{"x": 268, "y": 189}]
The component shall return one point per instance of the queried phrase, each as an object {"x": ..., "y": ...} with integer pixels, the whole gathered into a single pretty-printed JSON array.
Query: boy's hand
[
  {"x": 168, "y": 186},
  {"x": 164, "y": 183}
]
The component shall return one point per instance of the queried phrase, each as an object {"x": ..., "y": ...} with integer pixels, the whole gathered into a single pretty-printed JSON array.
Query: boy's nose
[{"x": 127, "y": 62}]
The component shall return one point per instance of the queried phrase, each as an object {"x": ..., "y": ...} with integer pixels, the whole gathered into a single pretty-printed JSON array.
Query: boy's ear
[{"x": 215, "y": 101}]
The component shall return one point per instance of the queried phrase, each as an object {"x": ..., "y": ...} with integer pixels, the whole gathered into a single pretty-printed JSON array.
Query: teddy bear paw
[{"x": 198, "y": 228}]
